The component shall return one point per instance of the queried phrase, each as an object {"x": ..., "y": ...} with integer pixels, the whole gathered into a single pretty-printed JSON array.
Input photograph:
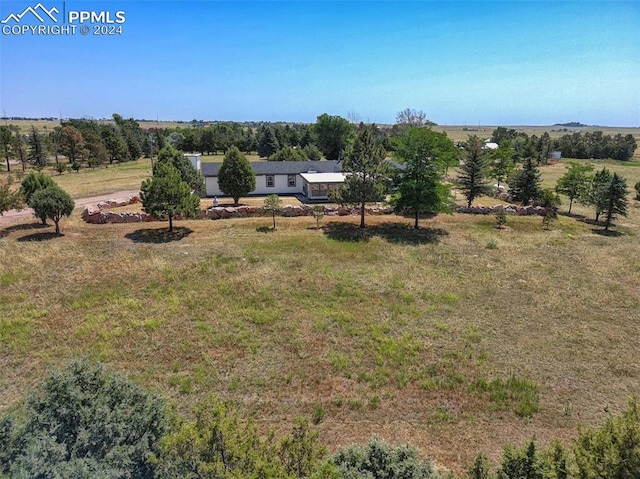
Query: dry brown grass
[{"x": 387, "y": 330}]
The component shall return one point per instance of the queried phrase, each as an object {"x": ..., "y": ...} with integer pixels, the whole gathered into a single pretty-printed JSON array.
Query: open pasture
[{"x": 456, "y": 338}]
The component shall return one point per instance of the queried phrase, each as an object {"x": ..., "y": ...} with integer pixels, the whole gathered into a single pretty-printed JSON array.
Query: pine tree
[
  {"x": 615, "y": 200},
  {"x": 166, "y": 194},
  {"x": 595, "y": 194},
  {"x": 37, "y": 152},
  {"x": 236, "y": 178},
  {"x": 368, "y": 172},
  {"x": 472, "y": 174},
  {"x": 525, "y": 184},
  {"x": 268, "y": 143}
]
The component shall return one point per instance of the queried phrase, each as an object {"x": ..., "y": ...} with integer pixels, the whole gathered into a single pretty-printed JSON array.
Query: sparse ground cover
[{"x": 456, "y": 338}]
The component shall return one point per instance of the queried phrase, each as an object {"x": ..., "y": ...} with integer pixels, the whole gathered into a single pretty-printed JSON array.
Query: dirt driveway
[{"x": 18, "y": 215}]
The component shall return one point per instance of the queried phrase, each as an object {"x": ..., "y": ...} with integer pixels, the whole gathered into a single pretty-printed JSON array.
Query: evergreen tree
[
  {"x": 268, "y": 143},
  {"x": 595, "y": 193},
  {"x": 472, "y": 174},
  {"x": 19, "y": 149},
  {"x": 6, "y": 143},
  {"x": 83, "y": 422},
  {"x": 188, "y": 173},
  {"x": 575, "y": 182},
  {"x": 37, "y": 151},
  {"x": 615, "y": 200},
  {"x": 287, "y": 153},
  {"x": 9, "y": 199},
  {"x": 367, "y": 171},
  {"x": 166, "y": 194},
  {"x": 236, "y": 178},
  {"x": 525, "y": 183},
  {"x": 52, "y": 203}
]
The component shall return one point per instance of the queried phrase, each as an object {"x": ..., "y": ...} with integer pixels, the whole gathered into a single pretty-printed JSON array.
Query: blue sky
[{"x": 474, "y": 62}]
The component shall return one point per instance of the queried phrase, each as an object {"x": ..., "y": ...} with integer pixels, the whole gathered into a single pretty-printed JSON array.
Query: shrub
[
  {"x": 378, "y": 459},
  {"x": 612, "y": 451},
  {"x": 637, "y": 188},
  {"x": 81, "y": 422}
]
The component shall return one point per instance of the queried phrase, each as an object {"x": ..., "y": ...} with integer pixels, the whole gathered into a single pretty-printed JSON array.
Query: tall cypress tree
[{"x": 472, "y": 173}]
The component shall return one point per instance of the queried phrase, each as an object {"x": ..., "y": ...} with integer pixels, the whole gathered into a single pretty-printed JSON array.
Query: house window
[
  {"x": 271, "y": 181},
  {"x": 291, "y": 181}
]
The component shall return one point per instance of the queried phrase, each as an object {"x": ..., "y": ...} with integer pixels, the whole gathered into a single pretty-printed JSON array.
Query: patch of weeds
[
  {"x": 318, "y": 413},
  {"x": 186, "y": 386},
  {"x": 443, "y": 415},
  {"x": 374, "y": 402},
  {"x": 337, "y": 402},
  {"x": 492, "y": 243},
  {"x": 8, "y": 278},
  {"x": 15, "y": 334},
  {"x": 354, "y": 404},
  {"x": 518, "y": 393},
  {"x": 234, "y": 384},
  {"x": 472, "y": 336},
  {"x": 339, "y": 361}
]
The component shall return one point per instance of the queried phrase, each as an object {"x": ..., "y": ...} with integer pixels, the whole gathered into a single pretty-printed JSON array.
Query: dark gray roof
[{"x": 280, "y": 167}]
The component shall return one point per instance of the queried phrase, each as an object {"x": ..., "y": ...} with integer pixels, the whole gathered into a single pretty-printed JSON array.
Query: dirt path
[{"x": 18, "y": 215}]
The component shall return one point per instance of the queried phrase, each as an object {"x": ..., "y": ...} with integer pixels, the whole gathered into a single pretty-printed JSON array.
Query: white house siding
[
  {"x": 212, "y": 187},
  {"x": 281, "y": 186}
]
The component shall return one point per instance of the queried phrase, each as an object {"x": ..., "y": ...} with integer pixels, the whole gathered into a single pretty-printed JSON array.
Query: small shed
[{"x": 194, "y": 158}]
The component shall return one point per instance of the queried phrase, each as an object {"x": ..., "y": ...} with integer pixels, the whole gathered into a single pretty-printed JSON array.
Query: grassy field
[{"x": 456, "y": 338}]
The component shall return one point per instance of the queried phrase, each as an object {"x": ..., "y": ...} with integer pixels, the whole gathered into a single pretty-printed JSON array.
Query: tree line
[
  {"x": 85, "y": 421},
  {"x": 589, "y": 145}
]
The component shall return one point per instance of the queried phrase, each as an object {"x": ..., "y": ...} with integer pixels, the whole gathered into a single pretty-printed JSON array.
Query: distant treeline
[
  {"x": 93, "y": 143},
  {"x": 587, "y": 145}
]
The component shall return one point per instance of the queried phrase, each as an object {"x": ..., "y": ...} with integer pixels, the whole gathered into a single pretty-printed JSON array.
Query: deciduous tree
[
  {"x": 334, "y": 135},
  {"x": 273, "y": 204},
  {"x": 575, "y": 182},
  {"x": 236, "y": 178},
  {"x": 502, "y": 162},
  {"x": 424, "y": 156}
]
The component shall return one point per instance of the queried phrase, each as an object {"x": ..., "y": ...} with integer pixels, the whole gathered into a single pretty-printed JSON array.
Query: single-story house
[{"x": 313, "y": 180}]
